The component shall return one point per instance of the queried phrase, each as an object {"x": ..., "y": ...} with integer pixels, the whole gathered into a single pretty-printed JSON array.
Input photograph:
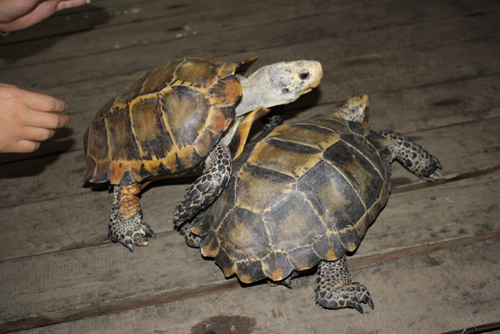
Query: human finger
[
  {"x": 71, "y": 3},
  {"x": 24, "y": 146},
  {"x": 43, "y": 102},
  {"x": 37, "y": 134},
  {"x": 46, "y": 120}
]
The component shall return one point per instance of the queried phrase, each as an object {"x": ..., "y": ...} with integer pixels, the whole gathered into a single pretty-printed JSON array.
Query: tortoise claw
[
  {"x": 437, "y": 163},
  {"x": 433, "y": 170},
  {"x": 129, "y": 246},
  {"x": 436, "y": 175},
  {"x": 358, "y": 307},
  {"x": 370, "y": 303},
  {"x": 433, "y": 177}
]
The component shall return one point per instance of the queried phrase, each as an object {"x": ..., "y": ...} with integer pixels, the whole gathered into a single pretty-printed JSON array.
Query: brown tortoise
[
  {"x": 180, "y": 119},
  {"x": 303, "y": 195}
]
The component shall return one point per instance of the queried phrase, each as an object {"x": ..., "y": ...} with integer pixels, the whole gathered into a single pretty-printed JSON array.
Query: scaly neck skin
[{"x": 256, "y": 93}]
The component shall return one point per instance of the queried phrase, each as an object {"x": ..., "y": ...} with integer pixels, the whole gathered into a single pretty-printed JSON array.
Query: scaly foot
[
  {"x": 335, "y": 289},
  {"x": 126, "y": 225}
]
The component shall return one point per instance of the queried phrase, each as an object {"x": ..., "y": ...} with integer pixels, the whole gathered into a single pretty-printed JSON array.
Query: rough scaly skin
[
  {"x": 335, "y": 289},
  {"x": 126, "y": 225},
  {"x": 356, "y": 109},
  {"x": 412, "y": 156},
  {"x": 191, "y": 239},
  {"x": 207, "y": 187}
]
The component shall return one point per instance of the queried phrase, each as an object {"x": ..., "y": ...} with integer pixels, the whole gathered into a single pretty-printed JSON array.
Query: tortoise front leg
[
  {"x": 335, "y": 289},
  {"x": 191, "y": 239},
  {"x": 126, "y": 225},
  {"x": 274, "y": 118},
  {"x": 207, "y": 188},
  {"x": 412, "y": 156}
]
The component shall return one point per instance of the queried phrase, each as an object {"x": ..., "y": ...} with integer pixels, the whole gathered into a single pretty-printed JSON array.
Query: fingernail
[{"x": 88, "y": 1}]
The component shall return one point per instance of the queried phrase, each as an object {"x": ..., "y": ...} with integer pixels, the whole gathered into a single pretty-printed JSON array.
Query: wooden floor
[{"x": 431, "y": 260}]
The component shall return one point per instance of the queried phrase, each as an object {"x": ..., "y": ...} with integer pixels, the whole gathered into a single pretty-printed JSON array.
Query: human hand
[
  {"x": 19, "y": 14},
  {"x": 27, "y": 118}
]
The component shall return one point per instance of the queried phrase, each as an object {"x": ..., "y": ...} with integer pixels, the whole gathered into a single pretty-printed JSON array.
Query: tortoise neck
[
  {"x": 257, "y": 92},
  {"x": 254, "y": 96}
]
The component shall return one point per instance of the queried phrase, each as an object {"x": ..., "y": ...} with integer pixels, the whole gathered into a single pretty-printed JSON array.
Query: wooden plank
[
  {"x": 381, "y": 74},
  {"x": 141, "y": 23},
  {"x": 492, "y": 327},
  {"x": 427, "y": 293},
  {"x": 259, "y": 39},
  {"x": 68, "y": 284},
  {"x": 432, "y": 73},
  {"x": 372, "y": 76},
  {"x": 104, "y": 14},
  {"x": 152, "y": 27}
]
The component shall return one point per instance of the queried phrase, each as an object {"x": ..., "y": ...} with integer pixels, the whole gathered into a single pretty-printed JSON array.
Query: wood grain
[
  {"x": 116, "y": 280},
  {"x": 426, "y": 293},
  {"x": 431, "y": 70}
]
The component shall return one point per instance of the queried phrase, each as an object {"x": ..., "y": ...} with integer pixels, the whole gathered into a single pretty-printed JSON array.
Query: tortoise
[
  {"x": 181, "y": 119},
  {"x": 303, "y": 195}
]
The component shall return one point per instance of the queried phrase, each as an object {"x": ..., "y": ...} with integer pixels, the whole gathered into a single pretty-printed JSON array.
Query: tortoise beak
[{"x": 315, "y": 74}]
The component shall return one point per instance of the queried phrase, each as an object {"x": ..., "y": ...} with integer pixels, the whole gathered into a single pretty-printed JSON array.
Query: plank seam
[{"x": 53, "y": 318}]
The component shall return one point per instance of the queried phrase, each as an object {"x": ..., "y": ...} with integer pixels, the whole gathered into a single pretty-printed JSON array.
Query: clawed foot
[
  {"x": 130, "y": 232},
  {"x": 344, "y": 296},
  {"x": 191, "y": 239},
  {"x": 432, "y": 172},
  {"x": 192, "y": 204},
  {"x": 126, "y": 225}
]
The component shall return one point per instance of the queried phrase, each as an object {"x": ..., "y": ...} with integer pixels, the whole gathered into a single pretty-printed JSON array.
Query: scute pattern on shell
[
  {"x": 164, "y": 123},
  {"x": 306, "y": 193}
]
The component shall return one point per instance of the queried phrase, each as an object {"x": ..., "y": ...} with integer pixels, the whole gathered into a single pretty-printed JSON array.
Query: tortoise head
[
  {"x": 356, "y": 109},
  {"x": 278, "y": 84},
  {"x": 289, "y": 80}
]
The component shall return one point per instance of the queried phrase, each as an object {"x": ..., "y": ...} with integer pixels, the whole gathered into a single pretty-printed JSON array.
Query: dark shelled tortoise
[
  {"x": 179, "y": 119},
  {"x": 303, "y": 195}
]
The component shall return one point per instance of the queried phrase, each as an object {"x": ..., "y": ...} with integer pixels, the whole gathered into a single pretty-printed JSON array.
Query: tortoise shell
[
  {"x": 165, "y": 123},
  {"x": 307, "y": 192}
]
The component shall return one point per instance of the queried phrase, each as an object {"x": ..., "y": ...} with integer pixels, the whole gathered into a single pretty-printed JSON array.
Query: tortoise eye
[
  {"x": 285, "y": 90},
  {"x": 304, "y": 75}
]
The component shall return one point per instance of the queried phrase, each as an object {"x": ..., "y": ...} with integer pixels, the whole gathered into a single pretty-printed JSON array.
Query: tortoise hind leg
[
  {"x": 335, "y": 289},
  {"x": 126, "y": 225},
  {"x": 412, "y": 156},
  {"x": 207, "y": 188}
]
